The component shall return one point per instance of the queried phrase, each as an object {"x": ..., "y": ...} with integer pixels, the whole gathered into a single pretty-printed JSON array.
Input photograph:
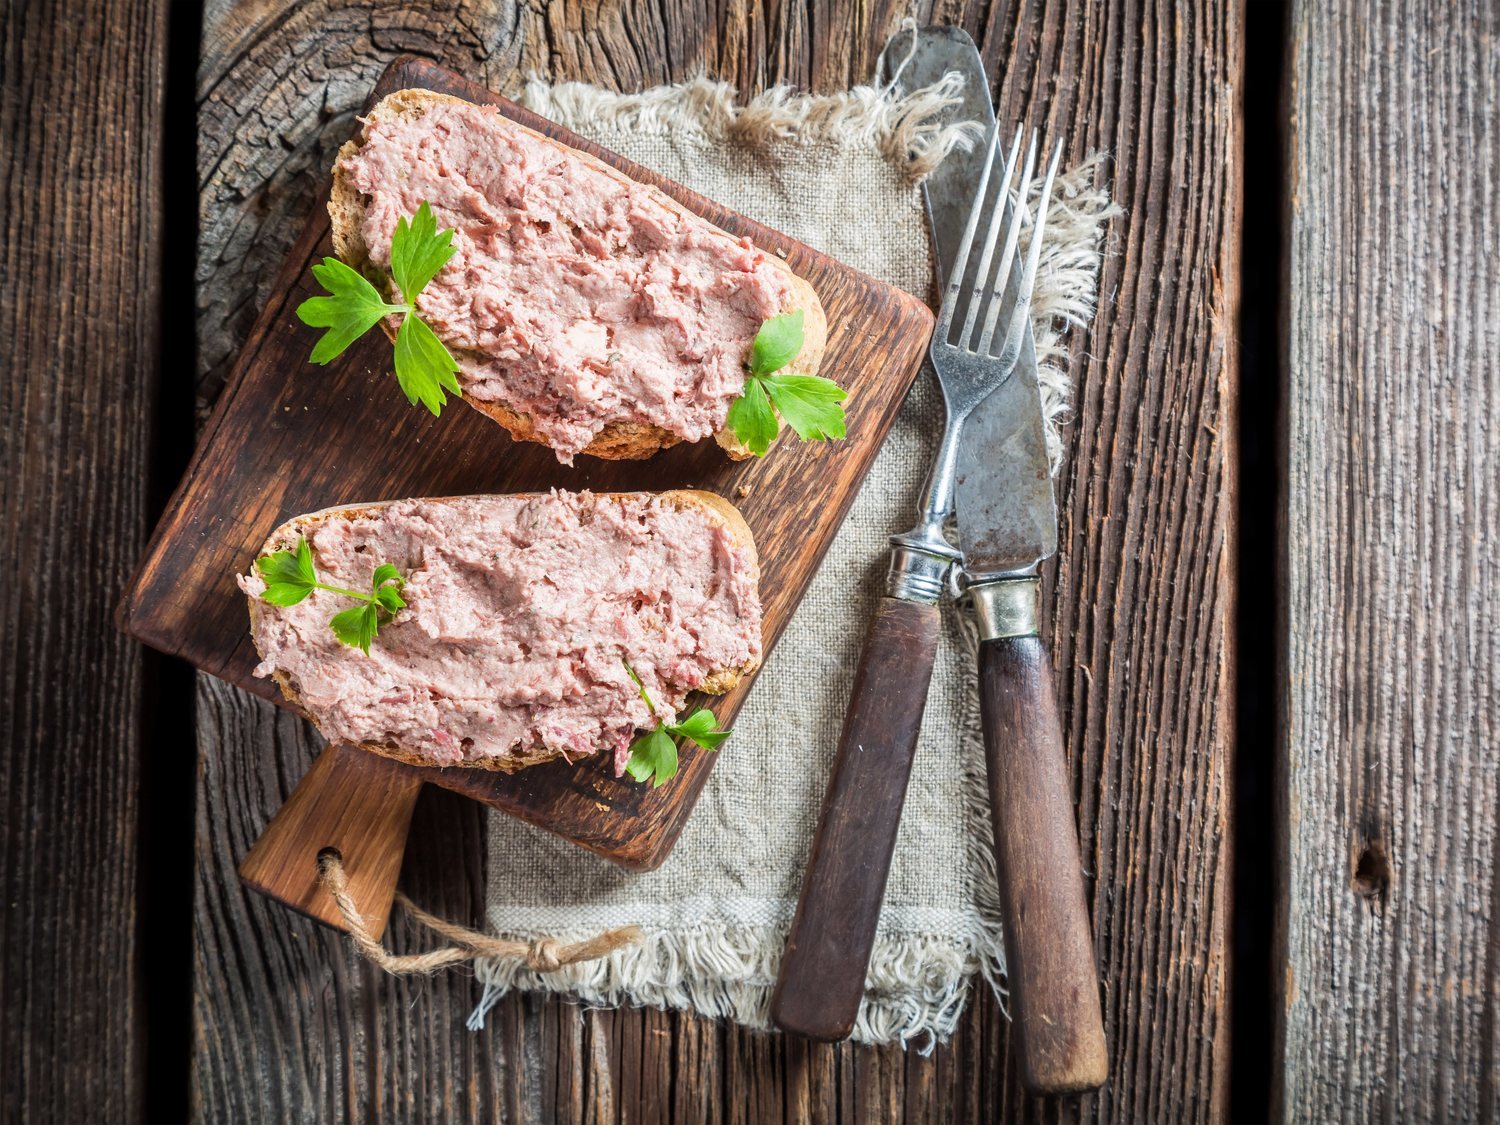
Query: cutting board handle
[
  {"x": 822, "y": 977},
  {"x": 358, "y": 804},
  {"x": 1049, "y": 952}
]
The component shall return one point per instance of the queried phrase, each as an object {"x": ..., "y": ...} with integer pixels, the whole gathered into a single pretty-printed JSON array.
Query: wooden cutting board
[{"x": 288, "y": 437}]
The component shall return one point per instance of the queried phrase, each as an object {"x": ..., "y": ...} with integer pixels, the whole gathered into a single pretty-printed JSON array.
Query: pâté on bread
[
  {"x": 585, "y": 310},
  {"x": 530, "y": 626}
]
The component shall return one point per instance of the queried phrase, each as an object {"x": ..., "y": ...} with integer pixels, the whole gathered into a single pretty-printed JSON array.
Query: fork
[
  {"x": 823, "y": 969},
  {"x": 967, "y": 371}
]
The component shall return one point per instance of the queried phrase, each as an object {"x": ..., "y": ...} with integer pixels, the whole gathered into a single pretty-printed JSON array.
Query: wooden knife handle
[
  {"x": 355, "y": 802},
  {"x": 822, "y": 976},
  {"x": 1049, "y": 952}
]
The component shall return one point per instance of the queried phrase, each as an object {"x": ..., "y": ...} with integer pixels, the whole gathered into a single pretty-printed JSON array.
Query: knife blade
[
  {"x": 1002, "y": 493},
  {"x": 948, "y": 192}
]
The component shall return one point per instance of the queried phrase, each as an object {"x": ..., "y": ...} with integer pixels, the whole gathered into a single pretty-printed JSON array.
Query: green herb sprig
[
  {"x": 653, "y": 756},
  {"x": 289, "y": 578},
  {"x": 810, "y": 404},
  {"x": 424, "y": 368}
]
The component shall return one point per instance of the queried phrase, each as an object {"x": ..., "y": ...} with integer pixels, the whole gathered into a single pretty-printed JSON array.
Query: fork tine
[
  {"x": 1012, "y": 348},
  {"x": 1012, "y": 240},
  {"x": 997, "y": 213},
  {"x": 961, "y": 260}
]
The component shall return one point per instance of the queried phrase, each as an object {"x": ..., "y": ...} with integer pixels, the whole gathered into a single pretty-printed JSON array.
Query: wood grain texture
[
  {"x": 822, "y": 977},
  {"x": 80, "y": 180},
  {"x": 287, "y": 439},
  {"x": 1392, "y": 782},
  {"x": 357, "y": 804},
  {"x": 1049, "y": 949},
  {"x": 1140, "y": 607},
  {"x": 1142, "y": 588}
]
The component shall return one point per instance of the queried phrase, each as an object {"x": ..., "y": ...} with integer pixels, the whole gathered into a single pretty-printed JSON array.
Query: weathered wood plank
[
  {"x": 1393, "y": 585},
  {"x": 80, "y": 180},
  {"x": 1142, "y": 602},
  {"x": 1143, "y": 584}
]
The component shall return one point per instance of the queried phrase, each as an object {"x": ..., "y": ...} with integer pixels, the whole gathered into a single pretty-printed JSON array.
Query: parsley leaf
[
  {"x": 357, "y": 626},
  {"x": 386, "y": 585},
  {"x": 354, "y": 308},
  {"x": 777, "y": 343},
  {"x": 751, "y": 418},
  {"x": 290, "y": 577},
  {"x": 809, "y": 404},
  {"x": 419, "y": 251},
  {"x": 653, "y": 756},
  {"x": 424, "y": 367},
  {"x": 700, "y": 727}
]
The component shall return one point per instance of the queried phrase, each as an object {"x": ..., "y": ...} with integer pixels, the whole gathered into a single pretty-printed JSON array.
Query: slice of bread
[
  {"x": 619, "y": 440},
  {"x": 716, "y": 512}
]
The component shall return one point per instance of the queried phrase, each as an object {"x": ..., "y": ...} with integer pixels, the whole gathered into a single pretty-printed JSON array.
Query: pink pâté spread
[
  {"x": 520, "y": 611},
  {"x": 578, "y": 298}
]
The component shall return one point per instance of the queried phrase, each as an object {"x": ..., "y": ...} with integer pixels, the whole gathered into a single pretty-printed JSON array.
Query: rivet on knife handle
[
  {"x": 1049, "y": 951},
  {"x": 822, "y": 977}
]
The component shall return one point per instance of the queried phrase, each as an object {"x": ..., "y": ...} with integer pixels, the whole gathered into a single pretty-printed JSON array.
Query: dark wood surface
[
  {"x": 1049, "y": 949},
  {"x": 1392, "y": 657},
  {"x": 1140, "y": 613},
  {"x": 286, "y": 1023},
  {"x": 1388, "y": 980},
  {"x": 822, "y": 976},
  {"x": 352, "y": 439},
  {"x": 80, "y": 300}
]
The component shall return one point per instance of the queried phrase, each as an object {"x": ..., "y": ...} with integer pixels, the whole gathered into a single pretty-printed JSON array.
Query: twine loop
[{"x": 544, "y": 955}]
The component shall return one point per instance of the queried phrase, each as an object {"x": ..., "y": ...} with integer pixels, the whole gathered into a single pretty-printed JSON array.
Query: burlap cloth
[{"x": 839, "y": 173}]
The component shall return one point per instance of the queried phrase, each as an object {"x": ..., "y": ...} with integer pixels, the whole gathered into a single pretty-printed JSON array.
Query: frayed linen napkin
[{"x": 840, "y": 173}]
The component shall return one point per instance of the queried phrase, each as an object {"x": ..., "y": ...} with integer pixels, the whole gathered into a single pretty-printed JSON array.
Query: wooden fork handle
[
  {"x": 1049, "y": 952},
  {"x": 355, "y": 802},
  {"x": 822, "y": 978}
]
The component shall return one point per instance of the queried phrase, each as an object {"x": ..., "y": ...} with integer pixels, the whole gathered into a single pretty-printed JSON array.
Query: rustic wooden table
[{"x": 1277, "y": 612}]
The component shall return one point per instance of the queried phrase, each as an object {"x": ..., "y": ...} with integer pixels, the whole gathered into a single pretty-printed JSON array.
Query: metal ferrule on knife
[{"x": 1006, "y": 607}]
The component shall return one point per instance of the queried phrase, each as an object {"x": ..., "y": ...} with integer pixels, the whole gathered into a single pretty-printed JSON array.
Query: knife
[
  {"x": 1007, "y": 526},
  {"x": 1002, "y": 493}
]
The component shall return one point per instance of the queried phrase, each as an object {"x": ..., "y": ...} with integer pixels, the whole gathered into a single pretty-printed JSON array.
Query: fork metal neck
[{"x": 921, "y": 557}]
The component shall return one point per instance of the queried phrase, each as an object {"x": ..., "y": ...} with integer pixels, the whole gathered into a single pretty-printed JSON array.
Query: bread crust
[
  {"x": 720, "y": 512},
  {"x": 617, "y": 441}
]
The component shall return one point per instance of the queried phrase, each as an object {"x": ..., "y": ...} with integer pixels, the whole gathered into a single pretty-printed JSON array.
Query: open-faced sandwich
[
  {"x": 573, "y": 305},
  {"x": 503, "y": 631}
]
